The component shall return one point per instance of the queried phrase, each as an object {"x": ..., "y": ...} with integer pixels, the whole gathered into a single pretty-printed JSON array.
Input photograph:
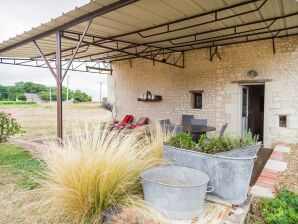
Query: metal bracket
[{"x": 212, "y": 54}]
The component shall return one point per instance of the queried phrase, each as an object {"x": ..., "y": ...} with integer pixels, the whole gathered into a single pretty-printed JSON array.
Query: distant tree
[
  {"x": 21, "y": 96},
  {"x": 44, "y": 95},
  {"x": 18, "y": 90},
  {"x": 13, "y": 92},
  {"x": 30, "y": 87},
  {"x": 79, "y": 96},
  {"x": 3, "y": 92}
]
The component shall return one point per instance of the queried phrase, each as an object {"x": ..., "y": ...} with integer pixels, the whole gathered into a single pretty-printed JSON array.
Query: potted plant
[{"x": 228, "y": 161}]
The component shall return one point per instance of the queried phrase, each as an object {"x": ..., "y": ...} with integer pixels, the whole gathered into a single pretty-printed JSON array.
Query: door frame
[
  {"x": 241, "y": 85},
  {"x": 244, "y": 120}
]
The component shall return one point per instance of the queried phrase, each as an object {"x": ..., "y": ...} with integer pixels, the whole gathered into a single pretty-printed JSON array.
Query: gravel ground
[{"x": 287, "y": 179}]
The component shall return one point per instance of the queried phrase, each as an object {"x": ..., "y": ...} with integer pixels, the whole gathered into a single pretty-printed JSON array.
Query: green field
[{"x": 39, "y": 120}]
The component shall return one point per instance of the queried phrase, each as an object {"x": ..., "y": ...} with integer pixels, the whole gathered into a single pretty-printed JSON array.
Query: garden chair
[
  {"x": 141, "y": 122},
  {"x": 186, "y": 122},
  {"x": 124, "y": 122},
  {"x": 177, "y": 129},
  {"x": 164, "y": 122},
  {"x": 223, "y": 129}
]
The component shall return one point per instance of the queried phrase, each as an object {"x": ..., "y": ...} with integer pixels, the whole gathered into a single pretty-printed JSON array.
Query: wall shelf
[{"x": 156, "y": 99}]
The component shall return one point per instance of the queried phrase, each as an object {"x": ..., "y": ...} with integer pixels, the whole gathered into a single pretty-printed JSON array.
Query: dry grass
[
  {"x": 97, "y": 173},
  {"x": 39, "y": 120}
]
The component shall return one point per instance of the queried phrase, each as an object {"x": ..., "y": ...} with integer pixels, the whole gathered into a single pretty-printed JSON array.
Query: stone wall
[{"x": 221, "y": 98}]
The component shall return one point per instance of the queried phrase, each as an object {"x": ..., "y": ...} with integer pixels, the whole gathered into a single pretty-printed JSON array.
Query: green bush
[
  {"x": 79, "y": 96},
  {"x": 8, "y": 127},
  {"x": 226, "y": 143},
  {"x": 281, "y": 210},
  {"x": 21, "y": 97},
  {"x": 183, "y": 141},
  {"x": 213, "y": 145}
]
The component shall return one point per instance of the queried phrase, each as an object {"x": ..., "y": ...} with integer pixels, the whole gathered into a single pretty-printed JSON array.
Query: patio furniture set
[{"x": 195, "y": 127}]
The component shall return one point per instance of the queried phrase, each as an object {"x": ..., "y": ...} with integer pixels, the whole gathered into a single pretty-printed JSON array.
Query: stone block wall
[{"x": 221, "y": 97}]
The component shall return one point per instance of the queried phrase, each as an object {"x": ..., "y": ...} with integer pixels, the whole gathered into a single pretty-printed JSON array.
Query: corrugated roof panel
[{"x": 144, "y": 14}]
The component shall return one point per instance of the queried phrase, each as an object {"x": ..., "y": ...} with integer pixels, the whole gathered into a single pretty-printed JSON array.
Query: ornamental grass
[{"x": 96, "y": 173}]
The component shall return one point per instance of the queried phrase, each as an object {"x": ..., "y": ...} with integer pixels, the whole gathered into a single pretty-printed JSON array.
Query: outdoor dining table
[
  {"x": 201, "y": 128},
  {"x": 197, "y": 130}
]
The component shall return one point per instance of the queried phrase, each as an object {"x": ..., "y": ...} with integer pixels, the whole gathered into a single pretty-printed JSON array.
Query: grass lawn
[
  {"x": 18, "y": 177},
  {"x": 16, "y": 162},
  {"x": 39, "y": 120}
]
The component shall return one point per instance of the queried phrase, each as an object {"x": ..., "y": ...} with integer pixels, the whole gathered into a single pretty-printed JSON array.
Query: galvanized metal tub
[
  {"x": 176, "y": 192},
  {"x": 229, "y": 172}
]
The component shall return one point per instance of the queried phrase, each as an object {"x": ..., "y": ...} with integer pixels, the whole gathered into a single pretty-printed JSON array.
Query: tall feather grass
[{"x": 96, "y": 172}]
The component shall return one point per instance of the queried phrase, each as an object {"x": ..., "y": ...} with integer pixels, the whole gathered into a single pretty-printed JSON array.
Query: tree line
[{"x": 46, "y": 93}]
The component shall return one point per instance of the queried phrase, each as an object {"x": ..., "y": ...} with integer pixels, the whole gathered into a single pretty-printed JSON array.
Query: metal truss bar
[
  {"x": 236, "y": 37},
  {"x": 234, "y": 27},
  {"x": 111, "y": 40},
  {"x": 226, "y": 44},
  {"x": 6, "y": 62},
  {"x": 107, "y": 40},
  {"x": 77, "y": 47},
  {"x": 188, "y": 18},
  {"x": 100, "y": 69},
  {"x": 83, "y": 18},
  {"x": 214, "y": 53},
  {"x": 226, "y": 35},
  {"x": 123, "y": 51},
  {"x": 216, "y": 19},
  {"x": 245, "y": 41},
  {"x": 45, "y": 60}
]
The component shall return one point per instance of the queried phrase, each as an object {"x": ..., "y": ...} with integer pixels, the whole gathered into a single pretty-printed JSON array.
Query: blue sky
[{"x": 16, "y": 16}]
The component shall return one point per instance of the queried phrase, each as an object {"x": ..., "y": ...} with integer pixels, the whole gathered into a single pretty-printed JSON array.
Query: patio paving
[
  {"x": 217, "y": 211},
  {"x": 265, "y": 186}
]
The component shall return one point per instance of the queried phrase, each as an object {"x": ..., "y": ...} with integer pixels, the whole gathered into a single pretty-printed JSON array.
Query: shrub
[
  {"x": 8, "y": 127},
  {"x": 281, "y": 210},
  {"x": 183, "y": 141},
  {"x": 21, "y": 97},
  {"x": 226, "y": 143},
  {"x": 79, "y": 96},
  {"x": 213, "y": 145},
  {"x": 95, "y": 173}
]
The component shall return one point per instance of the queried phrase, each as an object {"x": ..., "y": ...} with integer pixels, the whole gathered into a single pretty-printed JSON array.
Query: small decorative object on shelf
[{"x": 148, "y": 97}]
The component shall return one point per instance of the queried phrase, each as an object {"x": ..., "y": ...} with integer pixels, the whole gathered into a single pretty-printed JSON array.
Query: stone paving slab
[
  {"x": 217, "y": 211},
  {"x": 265, "y": 185}
]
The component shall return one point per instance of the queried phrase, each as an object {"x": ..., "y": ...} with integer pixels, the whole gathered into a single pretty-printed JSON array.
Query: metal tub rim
[
  {"x": 172, "y": 185},
  {"x": 217, "y": 156}
]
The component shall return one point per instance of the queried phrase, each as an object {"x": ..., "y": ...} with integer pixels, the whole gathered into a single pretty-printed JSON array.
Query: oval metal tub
[
  {"x": 176, "y": 192},
  {"x": 229, "y": 173}
]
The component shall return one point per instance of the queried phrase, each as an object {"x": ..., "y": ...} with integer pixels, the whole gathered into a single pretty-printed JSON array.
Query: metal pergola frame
[{"x": 117, "y": 48}]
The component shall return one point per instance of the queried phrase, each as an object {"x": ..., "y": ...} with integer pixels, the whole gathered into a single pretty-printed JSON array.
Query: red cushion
[
  {"x": 127, "y": 119},
  {"x": 142, "y": 121}
]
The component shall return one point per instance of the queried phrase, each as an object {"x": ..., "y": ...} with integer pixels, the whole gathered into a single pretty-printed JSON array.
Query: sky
[{"x": 17, "y": 16}]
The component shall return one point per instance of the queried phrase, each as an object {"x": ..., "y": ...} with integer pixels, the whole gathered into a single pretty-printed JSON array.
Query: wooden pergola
[{"x": 92, "y": 37}]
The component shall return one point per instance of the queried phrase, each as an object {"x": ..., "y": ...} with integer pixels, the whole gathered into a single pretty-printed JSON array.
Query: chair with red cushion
[
  {"x": 141, "y": 122},
  {"x": 125, "y": 121}
]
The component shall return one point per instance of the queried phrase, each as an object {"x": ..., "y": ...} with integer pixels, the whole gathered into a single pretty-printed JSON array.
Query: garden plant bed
[
  {"x": 230, "y": 176},
  {"x": 227, "y": 160}
]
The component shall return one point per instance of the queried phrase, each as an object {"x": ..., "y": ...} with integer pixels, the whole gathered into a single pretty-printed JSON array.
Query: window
[
  {"x": 197, "y": 99},
  {"x": 283, "y": 121}
]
